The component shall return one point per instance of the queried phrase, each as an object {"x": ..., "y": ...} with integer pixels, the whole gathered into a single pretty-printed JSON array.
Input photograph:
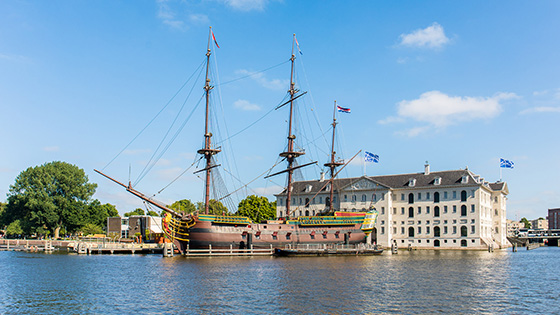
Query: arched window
[
  {"x": 436, "y": 197},
  {"x": 436, "y": 211},
  {"x": 436, "y": 243},
  {"x": 463, "y": 231},
  {"x": 353, "y": 198},
  {"x": 411, "y": 198},
  {"x": 307, "y": 203},
  {"x": 306, "y": 213},
  {"x": 364, "y": 198},
  {"x": 411, "y": 231},
  {"x": 464, "y": 195},
  {"x": 436, "y": 231},
  {"x": 463, "y": 210},
  {"x": 411, "y": 212}
]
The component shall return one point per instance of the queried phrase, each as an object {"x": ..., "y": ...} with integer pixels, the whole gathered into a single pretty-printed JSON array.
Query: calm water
[{"x": 418, "y": 282}]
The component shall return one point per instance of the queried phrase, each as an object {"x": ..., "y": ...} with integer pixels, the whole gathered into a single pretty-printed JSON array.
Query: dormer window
[
  {"x": 412, "y": 182},
  {"x": 308, "y": 188},
  {"x": 437, "y": 181},
  {"x": 464, "y": 179}
]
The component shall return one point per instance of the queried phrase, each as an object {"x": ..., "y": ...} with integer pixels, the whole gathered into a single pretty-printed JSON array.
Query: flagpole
[{"x": 364, "y": 164}]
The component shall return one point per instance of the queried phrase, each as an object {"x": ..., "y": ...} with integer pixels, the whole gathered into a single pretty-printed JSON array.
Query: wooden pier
[{"x": 213, "y": 252}]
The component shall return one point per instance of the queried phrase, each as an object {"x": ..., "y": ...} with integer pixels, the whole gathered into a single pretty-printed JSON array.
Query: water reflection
[{"x": 416, "y": 282}]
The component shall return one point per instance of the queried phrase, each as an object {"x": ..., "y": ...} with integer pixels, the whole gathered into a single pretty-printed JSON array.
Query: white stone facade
[{"x": 449, "y": 209}]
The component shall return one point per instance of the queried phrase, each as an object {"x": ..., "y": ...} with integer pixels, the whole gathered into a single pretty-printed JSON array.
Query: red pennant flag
[{"x": 214, "y": 38}]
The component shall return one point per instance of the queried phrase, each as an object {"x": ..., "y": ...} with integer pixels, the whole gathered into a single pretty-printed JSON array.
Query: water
[{"x": 417, "y": 282}]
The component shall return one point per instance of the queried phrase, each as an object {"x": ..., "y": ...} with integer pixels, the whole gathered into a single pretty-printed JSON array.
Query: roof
[{"x": 400, "y": 181}]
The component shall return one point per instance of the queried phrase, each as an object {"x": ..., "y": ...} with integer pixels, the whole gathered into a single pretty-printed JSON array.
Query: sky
[{"x": 455, "y": 83}]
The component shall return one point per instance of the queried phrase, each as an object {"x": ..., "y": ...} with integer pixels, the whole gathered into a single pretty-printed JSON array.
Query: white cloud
[
  {"x": 51, "y": 149},
  {"x": 247, "y": 5},
  {"x": 274, "y": 84},
  {"x": 541, "y": 109},
  {"x": 199, "y": 19},
  {"x": 441, "y": 110},
  {"x": 168, "y": 16},
  {"x": 271, "y": 190},
  {"x": 413, "y": 132},
  {"x": 390, "y": 120},
  {"x": 432, "y": 36},
  {"x": 246, "y": 105}
]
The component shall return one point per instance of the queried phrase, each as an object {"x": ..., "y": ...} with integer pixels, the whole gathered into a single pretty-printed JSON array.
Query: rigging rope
[
  {"x": 268, "y": 170},
  {"x": 176, "y": 178},
  {"x": 152, "y": 120},
  {"x": 254, "y": 73}
]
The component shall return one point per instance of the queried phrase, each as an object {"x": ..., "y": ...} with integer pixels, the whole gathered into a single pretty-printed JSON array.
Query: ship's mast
[
  {"x": 207, "y": 151},
  {"x": 332, "y": 164},
  {"x": 290, "y": 154}
]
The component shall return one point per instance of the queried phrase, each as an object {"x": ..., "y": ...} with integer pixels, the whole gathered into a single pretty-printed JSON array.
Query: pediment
[{"x": 363, "y": 184}]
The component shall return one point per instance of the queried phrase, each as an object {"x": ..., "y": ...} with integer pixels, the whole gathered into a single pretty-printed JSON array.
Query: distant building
[
  {"x": 540, "y": 224},
  {"x": 447, "y": 209},
  {"x": 513, "y": 227},
  {"x": 554, "y": 218},
  {"x": 149, "y": 227}
]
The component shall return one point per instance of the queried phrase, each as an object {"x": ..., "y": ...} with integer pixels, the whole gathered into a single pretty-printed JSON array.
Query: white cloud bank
[
  {"x": 246, "y": 105},
  {"x": 260, "y": 78},
  {"x": 541, "y": 109},
  {"x": 247, "y": 5},
  {"x": 439, "y": 110},
  {"x": 432, "y": 36}
]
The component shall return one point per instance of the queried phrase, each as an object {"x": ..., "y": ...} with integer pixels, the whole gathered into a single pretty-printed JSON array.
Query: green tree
[
  {"x": 526, "y": 222},
  {"x": 257, "y": 208},
  {"x": 183, "y": 205},
  {"x": 90, "y": 228},
  {"x": 214, "y": 207},
  {"x": 153, "y": 213},
  {"x": 137, "y": 211},
  {"x": 98, "y": 213},
  {"x": 14, "y": 228},
  {"x": 48, "y": 197},
  {"x": 2, "y": 211}
]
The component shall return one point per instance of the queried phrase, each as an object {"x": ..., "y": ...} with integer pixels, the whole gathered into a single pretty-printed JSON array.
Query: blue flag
[
  {"x": 506, "y": 163},
  {"x": 370, "y": 157}
]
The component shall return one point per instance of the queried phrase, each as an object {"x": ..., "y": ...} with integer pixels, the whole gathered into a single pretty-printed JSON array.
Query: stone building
[
  {"x": 446, "y": 209},
  {"x": 554, "y": 219}
]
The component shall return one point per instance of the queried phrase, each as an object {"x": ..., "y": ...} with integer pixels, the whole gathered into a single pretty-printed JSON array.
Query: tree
[
  {"x": 257, "y": 208},
  {"x": 91, "y": 228},
  {"x": 137, "y": 211},
  {"x": 214, "y": 207},
  {"x": 526, "y": 222},
  {"x": 183, "y": 205},
  {"x": 2, "y": 211},
  {"x": 98, "y": 213},
  {"x": 153, "y": 213},
  {"x": 47, "y": 197},
  {"x": 14, "y": 228}
]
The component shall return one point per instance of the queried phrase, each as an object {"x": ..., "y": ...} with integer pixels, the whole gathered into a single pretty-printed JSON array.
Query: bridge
[{"x": 527, "y": 236}]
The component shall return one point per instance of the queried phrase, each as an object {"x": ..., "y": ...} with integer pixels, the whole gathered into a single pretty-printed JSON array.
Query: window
[
  {"x": 394, "y": 211},
  {"x": 472, "y": 229},
  {"x": 288, "y": 235},
  {"x": 124, "y": 233},
  {"x": 454, "y": 195},
  {"x": 428, "y": 210},
  {"x": 427, "y": 196},
  {"x": 454, "y": 209},
  {"x": 280, "y": 214},
  {"x": 281, "y": 201},
  {"x": 382, "y": 230},
  {"x": 333, "y": 199},
  {"x": 436, "y": 197},
  {"x": 445, "y": 195},
  {"x": 412, "y": 182},
  {"x": 436, "y": 231},
  {"x": 463, "y": 243},
  {"x": 436, "y": 211},
  {"x": 321, "y": 199},
  {"x": 364, "y": 198},
  {"x": 410, "y": 212},
  {"x": 307, "y": 202},
  {"x": 463, "y": 210},
  {"x": 382, "y": 210},
  {"x": 495, "y": 211},
  {"x": 419, "y": 210},
  {"x": 419, "y": 196},
  {"x": 402, "y": 197},
  {"x": 313, "y": 201},
  {"x": 300, "y": 202},
  {"x": 436, "y": 243},
  {"x": 325, "y": 234},
  {"x": 353, "y": 198},
  {"x": 444, "y": 209},
  {"x": 402, "y": 210},
  {"x": 427, "y": 230},
  {"x": 345, "y": 198},
  {"x": 327, "y": 201},
  {"x": 374, "y": 197},
  {"x": 394, "y": 230},
  {"x": 464, "y": 179},
  {"x": 402, "y": 230},
  {"x": 411, "y": 232},
  {"x": 437, "y": 181},
  {"x": 464, "y": 195},
  {"x": 445, "y": 230},
  {"x": 306, "y": 213},
  {"x": 275, "y": 235},
  {"x": 419, "y": 230},
  {"x": 472, "y": 208},
  {"x": 463, "y": 231},
  {"x": 454, "y": 230}
]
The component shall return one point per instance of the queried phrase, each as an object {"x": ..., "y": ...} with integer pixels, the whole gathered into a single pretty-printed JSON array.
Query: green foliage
[
  {"x": 257, "y": 208},
  {"x": 526, "y": 222},
  {"x": 137, "y": 211},
  {"x": 91, "y": 228},
  {"x": 153, "y": 213},
  {"x": 184, "y": 205},
  {"x": 2, "y": 210},
  {"x": 214, "y": 207},
  {"x": 14, "y": 228},
  {"x": 47, "y": 197}
]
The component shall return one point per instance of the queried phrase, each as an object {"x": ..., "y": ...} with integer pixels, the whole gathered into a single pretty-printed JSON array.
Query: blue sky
[{"x": 454, "y": 83}]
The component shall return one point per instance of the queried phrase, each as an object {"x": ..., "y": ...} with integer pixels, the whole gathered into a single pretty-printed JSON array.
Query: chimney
[
  {"x": 426, "y": 168},
  {"x": 322, "y": 179}
]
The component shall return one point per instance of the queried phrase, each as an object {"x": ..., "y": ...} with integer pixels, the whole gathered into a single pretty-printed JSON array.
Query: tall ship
[{"x": 201, "y": 229}]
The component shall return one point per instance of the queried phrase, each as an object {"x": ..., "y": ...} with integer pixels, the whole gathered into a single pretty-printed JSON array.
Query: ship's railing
[
  {"x": 330, "y": 246},
  {"x": 228, "y": 251}
]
